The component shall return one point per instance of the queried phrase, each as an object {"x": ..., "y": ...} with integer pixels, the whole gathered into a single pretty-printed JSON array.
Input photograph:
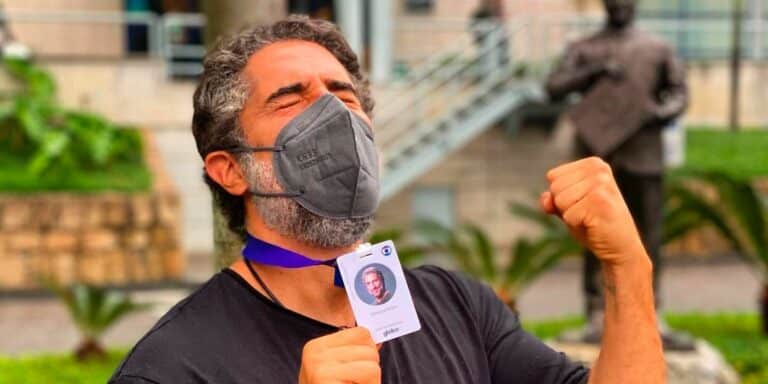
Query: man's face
[
  {"x": 374, "y": 285},
  {"x": 285, "y": 78},
  {"x": 620, "y": 12}
]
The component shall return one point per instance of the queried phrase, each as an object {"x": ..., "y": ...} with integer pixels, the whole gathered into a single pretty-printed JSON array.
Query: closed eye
[{"x": 288, "y": 104}]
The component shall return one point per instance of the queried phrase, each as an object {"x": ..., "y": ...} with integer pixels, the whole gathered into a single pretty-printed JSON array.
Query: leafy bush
[
  {"x": 528, "y": 258},
  {"x": 42, "y": 141}
]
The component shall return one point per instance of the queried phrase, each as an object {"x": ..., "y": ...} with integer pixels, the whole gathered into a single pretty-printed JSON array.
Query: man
[
  {"x": 632, "y": 86},
  {"x": 374, "y": 284},
  {"x": 282, "y": 120}
]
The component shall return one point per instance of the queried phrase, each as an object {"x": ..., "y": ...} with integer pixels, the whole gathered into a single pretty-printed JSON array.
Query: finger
[
  {"x": 547, "y": 203},
  {"x": 564, "y": 181},
  {"x": 571, "y": 195},
  {"x": 349, "y": 336},
  {"x": 358, "y": 372},
  {"x": 590, "y": 165},
  {"x": 353, "y": 353},
  {"x": 575, "y": 215}
]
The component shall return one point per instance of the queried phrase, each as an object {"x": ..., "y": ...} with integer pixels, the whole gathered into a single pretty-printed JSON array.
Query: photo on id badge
[
  {"x": 378, "y": 293},
  {"x": 375, "y": 284}
]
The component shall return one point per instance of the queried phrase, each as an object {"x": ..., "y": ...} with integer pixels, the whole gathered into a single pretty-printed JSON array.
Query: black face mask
[{"x": 325, "y": 159}]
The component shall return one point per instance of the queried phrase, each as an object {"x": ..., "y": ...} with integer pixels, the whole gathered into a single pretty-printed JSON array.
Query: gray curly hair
[{"x": 222, "y": 91}]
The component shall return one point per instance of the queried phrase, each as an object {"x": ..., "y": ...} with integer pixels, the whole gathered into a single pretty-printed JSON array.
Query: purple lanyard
[{"x": 259, "y": 251}]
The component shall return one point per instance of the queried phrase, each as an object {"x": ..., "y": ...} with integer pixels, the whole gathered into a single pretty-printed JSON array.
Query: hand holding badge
[{"x": 377, "y": 291}]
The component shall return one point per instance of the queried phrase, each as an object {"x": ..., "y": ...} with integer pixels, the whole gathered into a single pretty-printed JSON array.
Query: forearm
[
  {"x": 673, "y": 106},
  {"x": 631, "y": 349}
]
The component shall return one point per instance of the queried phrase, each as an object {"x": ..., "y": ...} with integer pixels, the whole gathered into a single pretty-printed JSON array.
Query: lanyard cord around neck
[
  {"x": 262, "y": 284},
  {"x": 269, "y": 292}
]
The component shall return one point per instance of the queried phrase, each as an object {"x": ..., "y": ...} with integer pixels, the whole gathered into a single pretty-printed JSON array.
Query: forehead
[{"x": 290, "y": 61}]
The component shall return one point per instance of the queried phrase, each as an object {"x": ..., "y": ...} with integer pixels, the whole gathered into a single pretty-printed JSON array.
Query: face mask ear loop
[
  {"x": 247, "y": 149},
  {"x": 278, "y": 148}
]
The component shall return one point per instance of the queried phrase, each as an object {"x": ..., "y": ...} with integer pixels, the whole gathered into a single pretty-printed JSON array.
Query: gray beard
[{"x": 286, "y": 217}]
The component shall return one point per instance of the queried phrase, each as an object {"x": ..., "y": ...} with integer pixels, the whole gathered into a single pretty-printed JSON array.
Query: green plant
[
  {"x": 731, "y": 206},
  {"x": 528, "y": 258},
  {"x": 93, "y": 310},
  {"x": 50, "y": 138}
]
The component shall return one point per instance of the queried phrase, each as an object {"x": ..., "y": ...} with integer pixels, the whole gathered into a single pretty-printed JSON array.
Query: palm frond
[{"x": 483, "y": 251}]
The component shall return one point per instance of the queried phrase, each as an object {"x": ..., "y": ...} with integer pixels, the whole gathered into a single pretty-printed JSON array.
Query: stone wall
[{"x": 100, "y": 238}]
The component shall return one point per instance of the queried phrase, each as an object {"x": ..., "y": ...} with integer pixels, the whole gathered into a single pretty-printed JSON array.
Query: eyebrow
[
  {"x": 287, "y": 90},
  {"x": 337, "y": 85},
  {"x": 296, "y": 88}
]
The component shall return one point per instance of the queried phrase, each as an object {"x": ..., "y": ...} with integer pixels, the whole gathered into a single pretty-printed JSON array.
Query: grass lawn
[
  {"x": 743, "y": 154},
  {"x": 45, "y": 369},
  {"x": 737, "y": 336}
]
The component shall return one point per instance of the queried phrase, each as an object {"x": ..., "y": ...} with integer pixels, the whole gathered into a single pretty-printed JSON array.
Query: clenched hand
[{"x": 585, "y": 195}]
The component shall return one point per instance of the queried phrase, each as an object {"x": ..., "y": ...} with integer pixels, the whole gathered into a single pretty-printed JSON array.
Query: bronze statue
[{"x": 631, "y": 87}]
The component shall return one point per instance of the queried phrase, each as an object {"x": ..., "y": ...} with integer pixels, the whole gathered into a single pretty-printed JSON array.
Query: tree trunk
[
  {"x": 736, "y": 65},
  {"x": 90, "y": 349},
  {"x": 226, "y": 17},
  {"x": 507, "y": 299},
  {"x": 764, "y": 308}
]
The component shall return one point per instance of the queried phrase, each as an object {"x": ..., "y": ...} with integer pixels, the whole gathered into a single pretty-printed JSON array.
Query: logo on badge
[{"x": 386, "y": 250}]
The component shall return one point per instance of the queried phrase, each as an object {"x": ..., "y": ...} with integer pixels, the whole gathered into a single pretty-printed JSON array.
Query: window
[
  {"x": 434, "y": 203},
  {"x": 418, "y": 5}
]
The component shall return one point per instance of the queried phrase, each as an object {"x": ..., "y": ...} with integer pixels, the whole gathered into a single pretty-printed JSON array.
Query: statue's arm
[
  {"x": 673, "y": 91},
  {"x": 571, "y": 75}
]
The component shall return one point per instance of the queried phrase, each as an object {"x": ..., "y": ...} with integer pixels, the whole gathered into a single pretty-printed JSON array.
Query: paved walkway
[{"x": 35, "y": 325}]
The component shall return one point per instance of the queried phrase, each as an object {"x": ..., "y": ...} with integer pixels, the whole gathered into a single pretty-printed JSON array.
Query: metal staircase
[{"x": 447, "y": 103}]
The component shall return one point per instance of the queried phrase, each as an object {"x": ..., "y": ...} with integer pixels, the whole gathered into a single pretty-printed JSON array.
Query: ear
[{"x": 223, "y": 168}]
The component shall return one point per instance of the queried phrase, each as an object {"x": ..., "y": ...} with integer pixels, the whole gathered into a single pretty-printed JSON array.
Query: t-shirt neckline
[{"x": 240, "y": 280}]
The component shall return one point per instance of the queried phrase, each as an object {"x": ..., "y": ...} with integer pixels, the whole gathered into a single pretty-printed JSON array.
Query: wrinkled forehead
[{"x": 291, "y": 61}]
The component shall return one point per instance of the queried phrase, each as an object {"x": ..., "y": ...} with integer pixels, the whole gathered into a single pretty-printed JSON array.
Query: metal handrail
[
  {"x": 433, "y": 64},
  {"x": 400, "y": 123},
  {"x": 444, "y": 76}
]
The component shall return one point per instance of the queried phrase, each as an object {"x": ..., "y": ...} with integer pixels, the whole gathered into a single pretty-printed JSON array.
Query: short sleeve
[{"x": 514, "y": 355}]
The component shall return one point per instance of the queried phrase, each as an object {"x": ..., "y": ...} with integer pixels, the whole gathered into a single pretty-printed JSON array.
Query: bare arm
[
  {"x": 673, "y": 92},
  {"x": 631, "y": 348},
  {"x": 585, "y": 195},
  {"x": 571, "y": 75}
]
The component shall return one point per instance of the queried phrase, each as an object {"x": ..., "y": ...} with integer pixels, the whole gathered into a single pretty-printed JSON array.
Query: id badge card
[{"x": 377, "y": 291}]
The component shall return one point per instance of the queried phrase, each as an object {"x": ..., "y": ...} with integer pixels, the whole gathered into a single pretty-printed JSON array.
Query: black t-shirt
[{"x": 228, "y": 332}]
